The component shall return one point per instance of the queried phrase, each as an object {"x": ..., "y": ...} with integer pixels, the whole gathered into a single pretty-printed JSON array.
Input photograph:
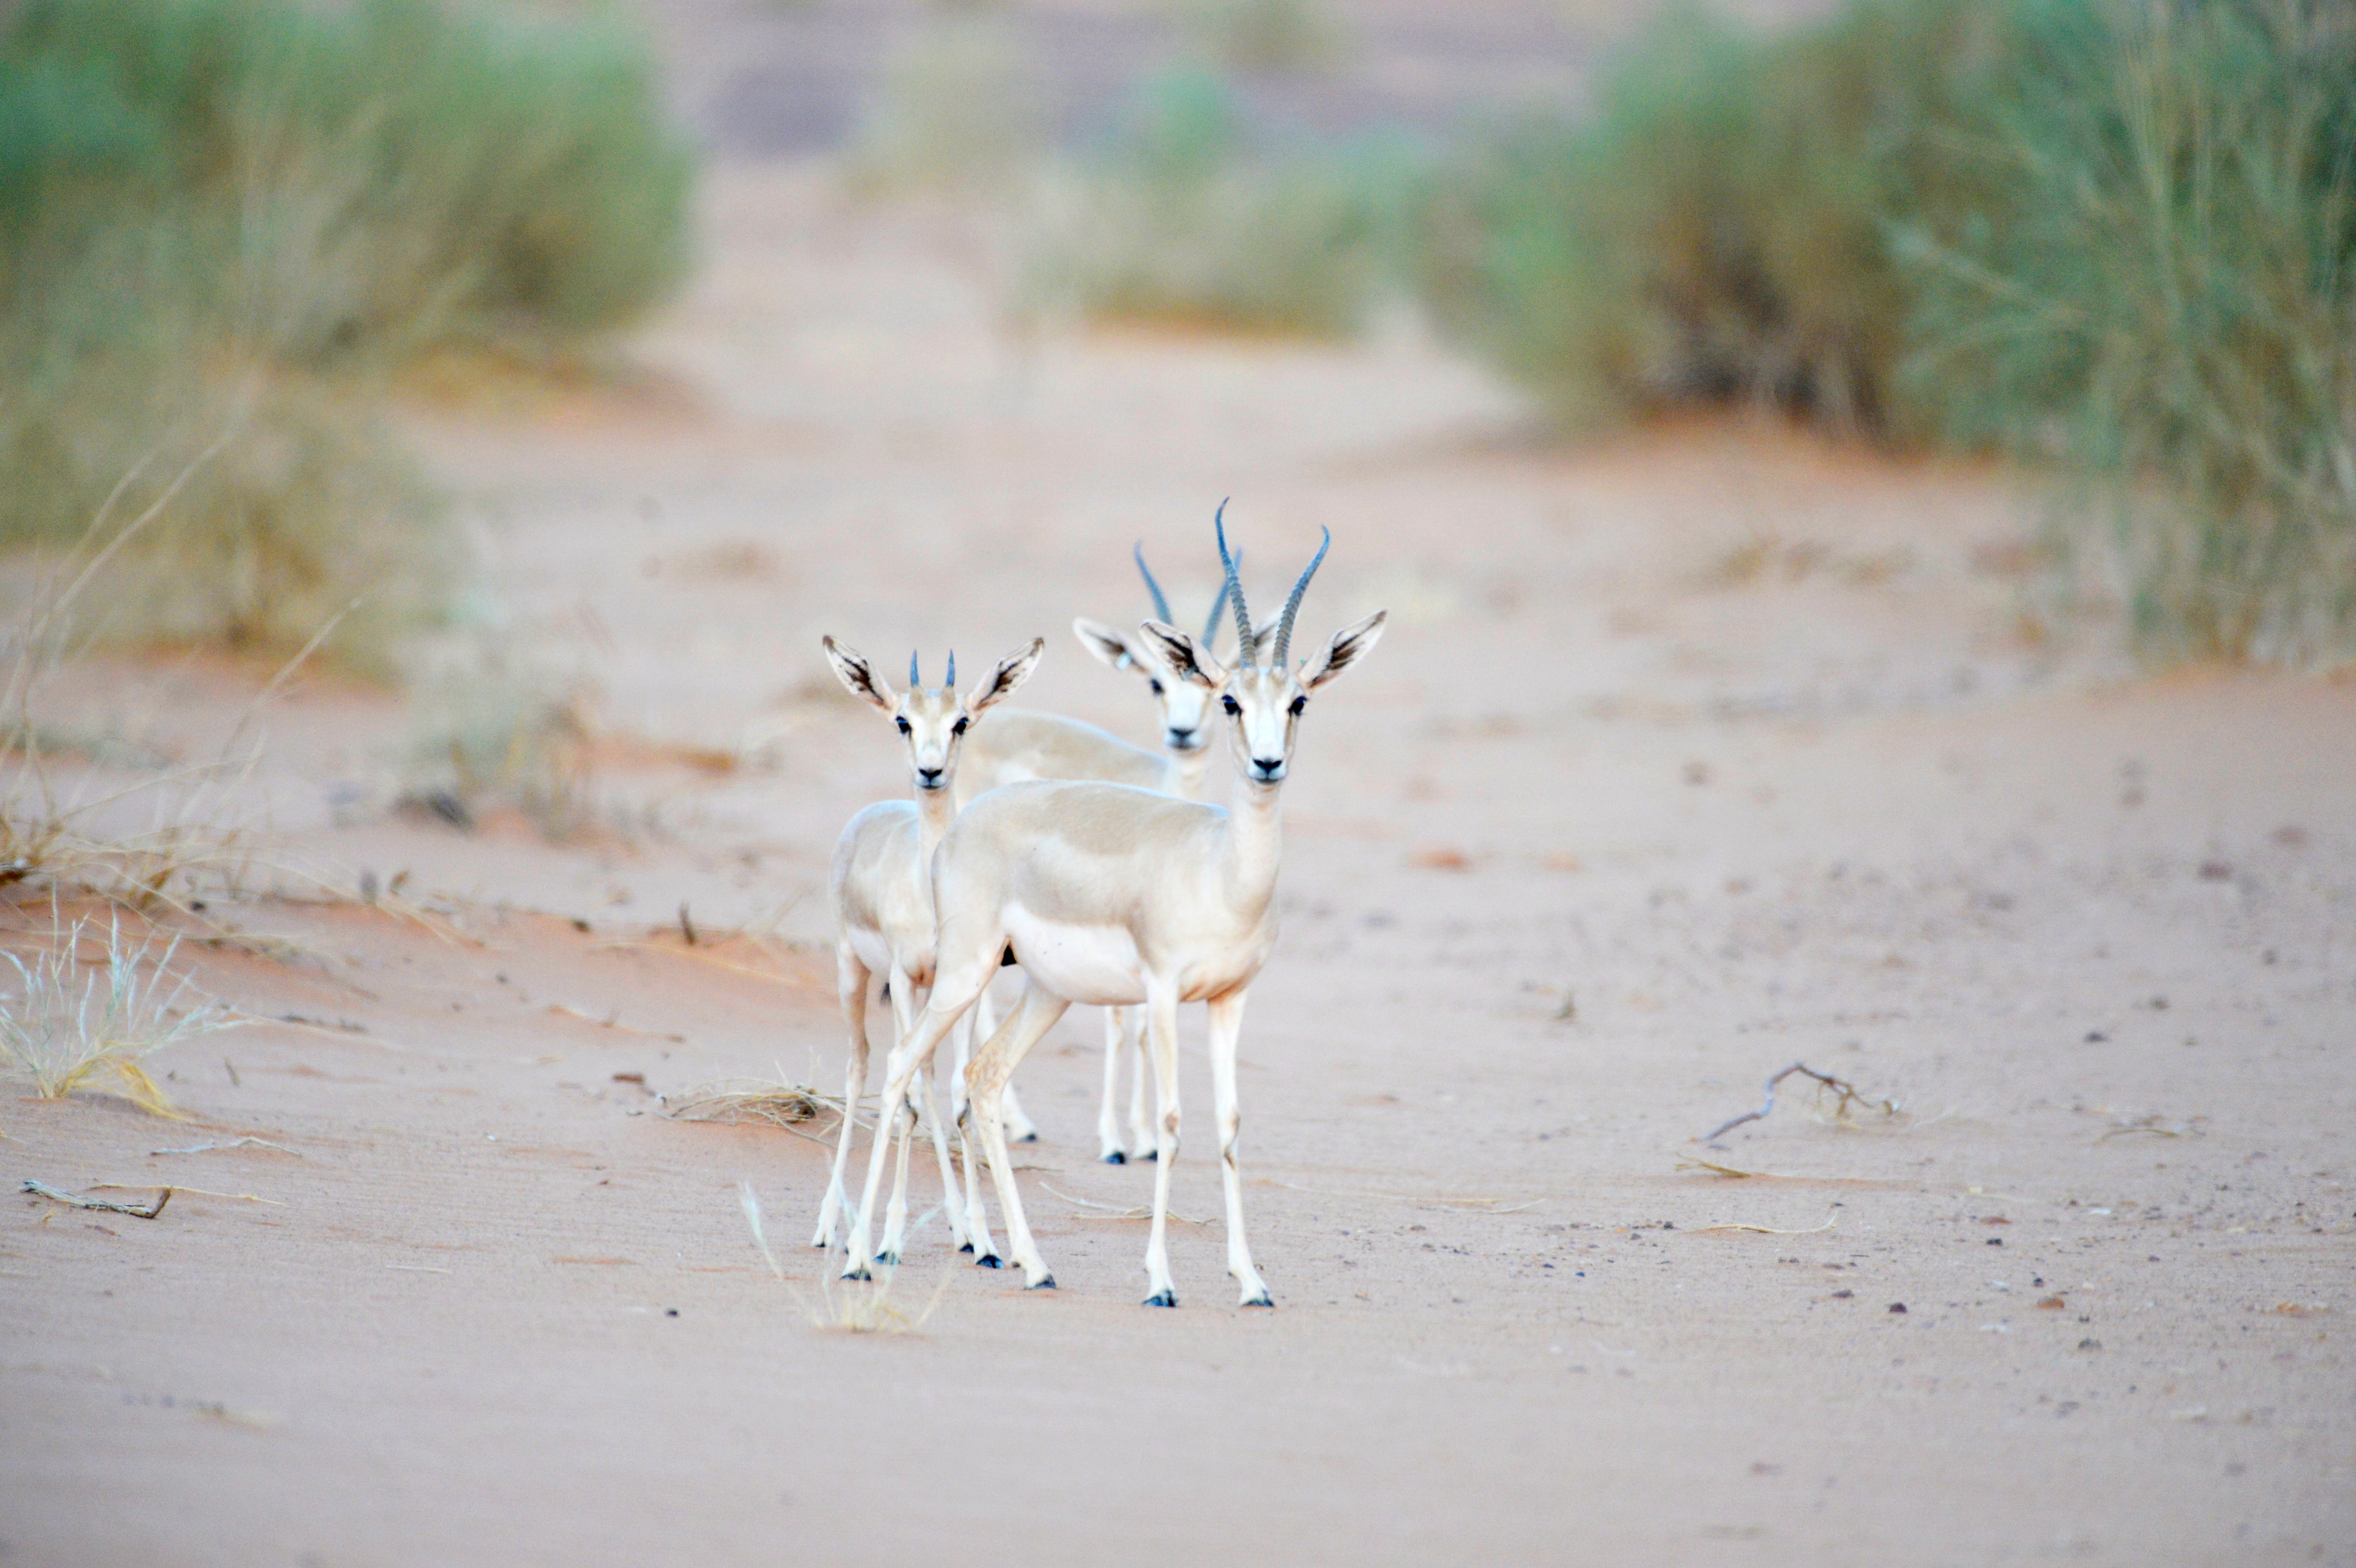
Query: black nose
[
  {"x": 1267, "y": 766},
  {"x": 930, "y": 775}
]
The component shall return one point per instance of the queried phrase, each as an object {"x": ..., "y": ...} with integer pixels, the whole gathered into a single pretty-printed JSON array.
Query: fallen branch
[
  {"x": 775, "y": 1104},
  {"x": 104, "y": 1205},
  {"x": 194, "y": 1191},
  {"x": 1850, "y": 1094}
]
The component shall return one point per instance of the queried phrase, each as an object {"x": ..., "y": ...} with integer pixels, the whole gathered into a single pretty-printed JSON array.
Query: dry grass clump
[
  {"x": 67, "y": 1037},
  {"x": 1187, "y": 217},
  {"x": 772, "y": 1102},
  {"x": 505, "y": 731},
  {"x": 224, "y": 223},
  {"x": 955, "y": 112},
  {"x": 865, "y": 1309}
]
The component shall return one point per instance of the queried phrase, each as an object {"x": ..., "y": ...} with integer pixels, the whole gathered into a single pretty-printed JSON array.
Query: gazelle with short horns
[
  {"x": 880, "y": 889},
  {"x": 1114, "y": 896}
]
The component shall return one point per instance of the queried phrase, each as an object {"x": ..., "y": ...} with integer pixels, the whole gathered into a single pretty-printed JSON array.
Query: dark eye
[
  {"x": 959, "y": 728},
  {"x": 1231, "y": 705},
  {"x": 902, "y": 721},
  {"x": 1298, "y": 703},
  {"x": 1156, "y": 685}
]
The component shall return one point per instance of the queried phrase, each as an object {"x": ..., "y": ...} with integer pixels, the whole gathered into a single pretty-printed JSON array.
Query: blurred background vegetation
[
  {"x": 2113, "y": 242},
  {"x": 225, "y": 225}
]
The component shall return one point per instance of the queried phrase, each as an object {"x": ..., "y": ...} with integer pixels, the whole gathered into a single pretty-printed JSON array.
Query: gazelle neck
[
  {"x": 1194, "y": 770},
  {"x": 1255, "y": 842},
  {"x": 936, "y": 809}
]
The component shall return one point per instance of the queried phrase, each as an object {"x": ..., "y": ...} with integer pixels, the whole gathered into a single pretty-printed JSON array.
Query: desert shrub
[
  {"x": 1185, "y": 215},
  {"x": 224, "y": 223},
  {"x": 954, "y": 113},
  {"x": 2116, "y": 239},
  {"x": 1266, "y": 35},
  {"x": 2161, "y": 292},
  {"x": 1717, "y": 227}
]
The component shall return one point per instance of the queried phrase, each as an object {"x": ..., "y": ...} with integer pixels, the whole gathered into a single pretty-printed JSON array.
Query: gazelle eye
[
  {"x": 1156, "y": 685},
  {"x": 1298, "y": 703},
  {"x": 901, "y": 719},
  {"x": 959, "y": 728},
  {"x": 1231, "y": 705}
]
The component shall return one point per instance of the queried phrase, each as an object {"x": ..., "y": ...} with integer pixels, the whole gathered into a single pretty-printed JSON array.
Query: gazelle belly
[
  {"x": 872, "y": 950},
  {"x": 1096, "y": 966}
]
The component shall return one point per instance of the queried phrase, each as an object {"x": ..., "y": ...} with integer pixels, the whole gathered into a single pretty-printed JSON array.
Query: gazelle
[
  {"x": 880, "y": 889},
  {"x": 1115, "y": 896},
  {"x": 1019, "y": 746}
]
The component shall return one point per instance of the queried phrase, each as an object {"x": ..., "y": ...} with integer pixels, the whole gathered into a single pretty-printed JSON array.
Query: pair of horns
[
  {"x": 915, "y": 680},
  {"x": 1235, "y": 591},
  {"x": 1162, "y": 602}
]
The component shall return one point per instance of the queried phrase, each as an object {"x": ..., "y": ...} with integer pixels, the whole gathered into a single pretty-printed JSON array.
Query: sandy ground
[{"x": 1689, "y": 755}]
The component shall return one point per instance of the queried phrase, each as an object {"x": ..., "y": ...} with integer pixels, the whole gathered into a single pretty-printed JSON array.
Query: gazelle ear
[
  {"x": 1262, "y": 640},
  {"x": 1188, "y": 660},
  {"x": 1104, "y": 643},
  {"x": 851, "y": 667},
  {"x": 1011, "y": 671},
  {"x": 1351, "y": 643}
]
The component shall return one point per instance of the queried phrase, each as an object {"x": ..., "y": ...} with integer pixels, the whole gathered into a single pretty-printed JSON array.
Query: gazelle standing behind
[
  {"x": 881, "y": 888},
  {"x": 1114, "y": 896},
  {"x": 1021, "y": 746}
]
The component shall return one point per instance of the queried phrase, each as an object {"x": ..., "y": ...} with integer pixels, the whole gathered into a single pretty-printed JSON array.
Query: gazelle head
[
  {"x": 1185, "y": 707},
  {"x": 1263, "y": 697},
  {"x": 934, "y": 722}
]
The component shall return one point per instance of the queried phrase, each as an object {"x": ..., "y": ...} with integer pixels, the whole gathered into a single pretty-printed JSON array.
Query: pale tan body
[
  {"x": 880, "y": 887},
  {"x": 1114, "y": 895}
]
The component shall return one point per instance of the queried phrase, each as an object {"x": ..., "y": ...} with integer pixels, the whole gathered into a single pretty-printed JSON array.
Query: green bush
[
  {"x": 2119, "y": 238},
  {"x": 2161, "y": 292},
  {"x": 1184, "y": 218},
  {"x": 224, "y": 223}
]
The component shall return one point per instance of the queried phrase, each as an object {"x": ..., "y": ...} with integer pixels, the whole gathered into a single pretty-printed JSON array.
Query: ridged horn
[
  {"x": 1235, "y": 591},
  {"x": 1211, "y": 621},
  {"x": 1292, "y": 605},
  {"x": 1160, "y": 601},
  {"x": 913, "y": 677},
  {"x": 952, "y": 669}
]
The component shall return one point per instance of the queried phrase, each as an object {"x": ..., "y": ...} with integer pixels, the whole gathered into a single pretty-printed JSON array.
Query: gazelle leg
[
  {"x": 1020, "y": 1127},
  {"x": 993, "y": 1064},
  {"x": 1141, "y": 1138},
  {"x": 977, "y": 1217},
  {"x": 1107, "y": 1124},
  {"x": 850, "y": 977},
  {"x": 903, "y": 1112},
  {"x": 1162, "y": 1024},
  {"x": 940, "y": 1015},
  {"x": 1227, "y": 1024}
]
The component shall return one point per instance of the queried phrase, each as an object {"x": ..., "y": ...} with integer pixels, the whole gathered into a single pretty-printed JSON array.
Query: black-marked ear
[
  {"x": 1104, "y": 643},
  {"x": 1351, "y": 643},
  {"x": 851, "y": 667},
  {"x": 1011, "y": 671},
  {"x": 1187, "y": 659}
]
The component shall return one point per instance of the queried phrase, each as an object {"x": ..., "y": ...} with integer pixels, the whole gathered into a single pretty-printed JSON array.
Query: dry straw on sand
[{"x": 66, "y": 1038}]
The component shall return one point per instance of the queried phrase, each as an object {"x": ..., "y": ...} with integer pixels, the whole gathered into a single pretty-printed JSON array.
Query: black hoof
[
  {"x": 966, "y": 1247},
  {"x": 1261, "y": 1301},
  {"x": 1116, "y": 1158},
  {"x": 988, "y": 1260},
  {"x": 858, "y": 1273},
  {"x": 1028, "y": 1138},
  {"x": 888, "y": 1260},
  {"x": 1162, "y": 1298},
  {"x": 1046, "y": 1282},
  {"x": 1150, "y": 1154}
]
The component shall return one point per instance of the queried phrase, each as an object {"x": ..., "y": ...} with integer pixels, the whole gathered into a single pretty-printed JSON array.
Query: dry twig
[
  {"x": 1850, "y": 1094},
  {"x": 104, "y": 1205},
  {"x": 247, "y": 1142},
  {"x": 1830, "y": 1220}
]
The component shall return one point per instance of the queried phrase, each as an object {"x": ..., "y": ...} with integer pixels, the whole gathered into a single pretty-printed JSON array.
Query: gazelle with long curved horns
[
  {"x": 1116, "y": 896},
  {"x": 880, "y": 885},
  {"x": 1020, "y": 746}
]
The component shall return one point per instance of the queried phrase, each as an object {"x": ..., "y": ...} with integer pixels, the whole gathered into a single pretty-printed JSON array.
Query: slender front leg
[
  {"x": 1162, "y": 1024},
  {"x": 977, "y": 1216},
  {"x": 941, "y": 1014},
  {"x": 1141, "y": 1138},
  {"x": 903, "y": 1112},
  {"x": 993, "y": 1064},
  {"x": 1107, "y": 1124},
  {"x": 850, "y": 977},
  {"x": 1227, "y": 1025}
]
